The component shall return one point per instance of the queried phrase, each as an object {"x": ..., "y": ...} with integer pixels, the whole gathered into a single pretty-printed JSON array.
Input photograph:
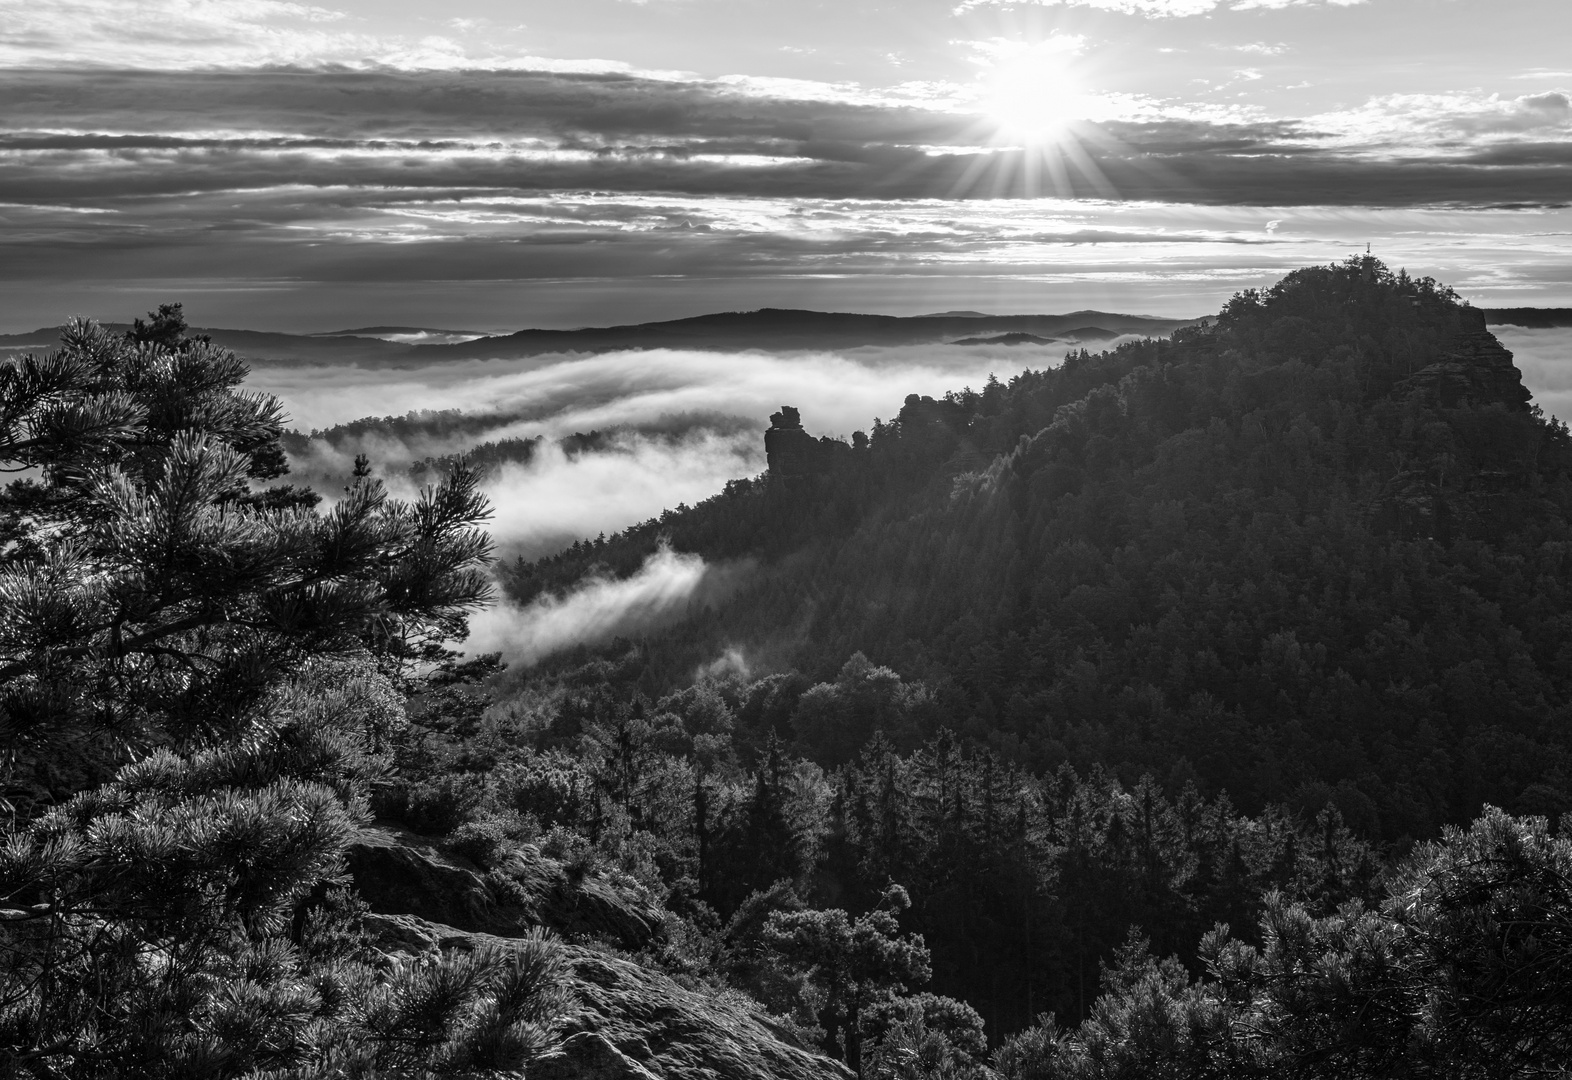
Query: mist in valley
[{"x": 676, "y": 426}]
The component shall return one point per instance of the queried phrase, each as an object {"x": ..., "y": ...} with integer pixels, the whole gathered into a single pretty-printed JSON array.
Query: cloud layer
[
  {"x": 1545, "y": 359},
  {"x": 684, "y": 422},
  {"x": 88, "y": 138},
  {"x": 263, "y": 179}
]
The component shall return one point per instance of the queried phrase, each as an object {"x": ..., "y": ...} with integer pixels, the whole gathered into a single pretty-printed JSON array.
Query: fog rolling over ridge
[
  {"x": 679, "y": 424},
  {"x": 676, "y": 425}
]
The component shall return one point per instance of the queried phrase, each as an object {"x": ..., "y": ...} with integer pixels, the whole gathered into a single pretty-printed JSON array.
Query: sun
[{"x": 1031, "y": 91}]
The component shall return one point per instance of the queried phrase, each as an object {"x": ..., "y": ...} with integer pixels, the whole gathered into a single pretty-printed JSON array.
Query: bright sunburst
[{"x": 1031, "y": 89}]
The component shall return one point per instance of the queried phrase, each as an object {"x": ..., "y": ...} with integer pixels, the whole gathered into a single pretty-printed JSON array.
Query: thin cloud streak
[{"x": 601, "y": 608}]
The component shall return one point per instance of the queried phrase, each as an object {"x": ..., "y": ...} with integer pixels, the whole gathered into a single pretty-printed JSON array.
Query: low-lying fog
[
  {"x": 1545, "y": 359},
  {"x": 682, "y": 423}
]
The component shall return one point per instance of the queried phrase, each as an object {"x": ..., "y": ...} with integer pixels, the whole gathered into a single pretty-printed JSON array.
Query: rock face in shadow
[
  {"x": 1478, "y": 370},
  {"x": 399, "y": 873},
  {"x": 789, "y": 449},
  {"x": 629, "y": 1023},
  {"x": 402, "y": 873},
  {"x": 793, "y": 453}
]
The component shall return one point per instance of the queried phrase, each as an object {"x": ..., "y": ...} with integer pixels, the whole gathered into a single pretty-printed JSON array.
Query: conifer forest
[{"x": 1196, "y": 708}]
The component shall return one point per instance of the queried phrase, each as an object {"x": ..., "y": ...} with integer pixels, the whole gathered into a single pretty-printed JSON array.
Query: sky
[{"x": 490, "y": 164}]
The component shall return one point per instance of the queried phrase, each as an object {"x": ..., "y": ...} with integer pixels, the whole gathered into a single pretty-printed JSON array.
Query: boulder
[
  {"x": 402, "y": 873},
  {"x": 630, "y": 1023},
  {"x": 399, "y": 873}
]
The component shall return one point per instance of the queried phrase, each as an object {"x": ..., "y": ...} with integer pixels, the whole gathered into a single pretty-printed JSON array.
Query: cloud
[
  {"x": 206, "y": 34},
  {"x": 1447, "y": 126},
  {"x": 1156, "y": 9},
  {"x": 1150, "y": 8},
  {"x": 283, "y": 178},
  {"x": 342, "y": 140},
  {"x": 315, "y": 259},
  {"x": 338, "y": 140},
  {"x": 1545, "y": 359},
  {"x": 601, "y": 608},
  {"x": 544, "y": 505},
  {"x": 683, "y": 423},
  {"x": 559, "y": 395}
]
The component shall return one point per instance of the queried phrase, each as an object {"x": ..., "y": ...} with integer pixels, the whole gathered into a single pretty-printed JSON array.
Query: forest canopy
[{"x": 1313, "y": 551}]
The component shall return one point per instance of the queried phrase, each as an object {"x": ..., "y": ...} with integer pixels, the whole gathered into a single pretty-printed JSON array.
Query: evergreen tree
[
  {"x": 167, "y": 631},
  {"x": 147, "y": 599},
  {"x": 856, "y": 963}
]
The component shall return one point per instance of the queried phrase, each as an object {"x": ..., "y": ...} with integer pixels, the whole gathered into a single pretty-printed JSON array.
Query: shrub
[{"x": 483, "y": 842}]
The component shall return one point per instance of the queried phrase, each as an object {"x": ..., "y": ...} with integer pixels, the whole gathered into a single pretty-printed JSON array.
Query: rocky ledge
[{"x": 628, "y": 1022}]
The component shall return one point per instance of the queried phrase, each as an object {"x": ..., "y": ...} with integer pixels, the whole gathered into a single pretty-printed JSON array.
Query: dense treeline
[
  {"x": 1315, "y": 552},
  {"x": 1020, "y": 885},
  {"x": 1460, "y": 971}
]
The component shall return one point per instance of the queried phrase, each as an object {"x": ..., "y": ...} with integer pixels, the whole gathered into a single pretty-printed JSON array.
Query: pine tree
[
  {"x": 226, "y": 662},
  {"x": 148, "y": 597},
  {"x": 856, "y": 963}
]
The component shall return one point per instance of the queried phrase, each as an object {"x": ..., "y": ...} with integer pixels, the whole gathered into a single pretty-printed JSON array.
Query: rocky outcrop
[
  {"x": 399, "y": 873},
  {"x": 630, "y": 1023},
  {"x": 792, "y": 453},
  {"x": 1477, "y": 370},
  {"x": 402, "y": 873},
  {"x": 789, "y": 449}
]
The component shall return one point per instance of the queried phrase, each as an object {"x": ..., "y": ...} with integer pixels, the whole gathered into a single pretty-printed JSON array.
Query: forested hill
[
  {"x": 788, "y": 328},
  {"x": 1316, "y": 551}
]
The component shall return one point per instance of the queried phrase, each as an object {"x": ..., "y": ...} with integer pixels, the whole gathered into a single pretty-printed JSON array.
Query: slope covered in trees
[{"x": 1315, "y": 551}]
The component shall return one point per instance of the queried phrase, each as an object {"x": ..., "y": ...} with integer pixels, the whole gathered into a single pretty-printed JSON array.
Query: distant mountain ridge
[
  {"x": 376, "y": 331},
  {"x": 790, "y": 328},
  {"x": 771, "y": 329}
]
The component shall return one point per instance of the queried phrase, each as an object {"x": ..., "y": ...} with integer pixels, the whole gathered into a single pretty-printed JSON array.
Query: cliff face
[{"x": 1477, "y": 370}]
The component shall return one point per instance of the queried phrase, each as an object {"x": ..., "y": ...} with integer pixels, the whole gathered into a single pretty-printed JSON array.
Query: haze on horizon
[{"x": 313, "y": 166}]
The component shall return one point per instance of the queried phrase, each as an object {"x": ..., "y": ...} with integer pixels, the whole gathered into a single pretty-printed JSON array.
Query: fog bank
[
  {"x": 838, "y": 392},
  {"x": 1545, "y": 359},
  {"x": 600, "y": 608}
]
